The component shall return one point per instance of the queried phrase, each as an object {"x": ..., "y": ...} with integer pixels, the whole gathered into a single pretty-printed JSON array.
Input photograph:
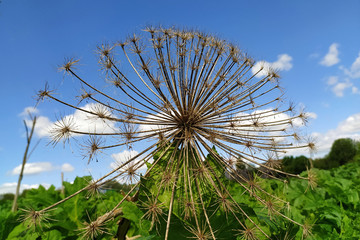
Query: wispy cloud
[
  {"x": 354, "y": 70},
  {"x": 283, "y": 63},
  {"x": 341, "y": 83},
  {"x": 40, "y": 167},
  {"x": 339, "y": 87},
  {"x": 331, "y": 58}
]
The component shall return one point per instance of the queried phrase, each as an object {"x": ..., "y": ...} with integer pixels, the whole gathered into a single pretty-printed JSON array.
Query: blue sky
[{"x": 316, "y": 44}]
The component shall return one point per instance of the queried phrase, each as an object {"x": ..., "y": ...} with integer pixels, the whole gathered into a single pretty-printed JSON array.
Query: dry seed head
[
  {"x": 167, "y": 179},
  {"x": 311, "y": 144},
  {"x": 93, "y": 189},
  {"x": 42, "y": 94},
  {"x": 202, "y": 82},
  {"x": 271, "y": 207},
  {"x": 104, "y": 50},
  {"x": 312, "y": 179},
  {"x": 296, "y": 137},
  {"x": 116, "y": 80},
  {"x": 101, "y": 111},
  {"x": 130, "y": 173},
  {"x": 150, "y": 30},
  {"x": 121, "y": 44},
  {"x": 189, "y": 207},
  {"x": 92, "y": 147},
  {"x": 84, "y": 96},
  {"x": 200, "y": 233},
  {"x": 224, "y": 203},
  {"x": 154, "y": 210},
  {"x": 106, "y": 64},
  {"x": 69, "y": 65},
  {"x": 249, "y": 233},
  {"x": 273, "y": 163},
  {"x": 307, "y": 227},
  {"x": 33, "y": 218},
  {"x": 93, "y": 230},
  {"x": 63, "y": 130}
]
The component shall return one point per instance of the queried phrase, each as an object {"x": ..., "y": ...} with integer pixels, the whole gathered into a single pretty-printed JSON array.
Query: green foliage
[
  {"x": 321, "y": 163},
  {"x": 333, "y": 207},
  {"x": 342, "y": 151},
  {"x": 295, "y": 165},
  {"x": 6, "y": 197},
  {"x": 65, "y": 220},
  {"x": 332, "y": 210}
]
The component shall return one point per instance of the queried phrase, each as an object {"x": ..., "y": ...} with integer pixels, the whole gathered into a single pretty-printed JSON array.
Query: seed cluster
[{"x": 187, "y": 97}]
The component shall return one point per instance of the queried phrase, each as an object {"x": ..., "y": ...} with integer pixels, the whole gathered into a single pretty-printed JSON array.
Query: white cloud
[
  {"x": 283, "y": 63},
  {"x": 11, "y": 187},
  {"x": 29, "y": 110},
  {"x": 312, "y": 115},
  {"x": 87, "y": 122},
  {"x": 314, "y": 55},
  {"x": 354, "y": 71},
  {"x": 348, "y": 128},
  {"x": 152, "y": 127},
  {"x": 266, "y": 116},
  {"x": 67, "y": 167},
  {"x": 40, "y": 167},
  {"x": 124, "y": 156},
  {"x": 339, "y": 88},
  {"x": 265, "y": 119},
  {"x": 43, "y": 124},
  {"x": 331, "y": 58},
  {"x": 332, "y": 80},
  {"x": 83, "y": 121},
  {"x": 354, "y": 90},
  {"x": 33, "y": 168}
]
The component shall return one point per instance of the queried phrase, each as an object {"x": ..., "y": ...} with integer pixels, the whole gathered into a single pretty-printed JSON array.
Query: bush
[
  {"x": 342, "y": 151},
  {"x": 321, "y": 163},
  {"x": 295, "y": 165}
]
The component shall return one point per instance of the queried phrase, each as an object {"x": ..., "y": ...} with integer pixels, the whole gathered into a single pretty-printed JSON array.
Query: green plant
[
  {"x": 70, "y": 215},
  {"x": 342, "y": 151},
  {"x": 295, "y": 165},
  {"x": 188, "y": 93},
  {"x": 331, "y": 210}
]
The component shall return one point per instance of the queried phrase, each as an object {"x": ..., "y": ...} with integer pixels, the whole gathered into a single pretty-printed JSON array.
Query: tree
[
  {"x": 295, "y": 165},
  {"x": 342, "y": 151}
]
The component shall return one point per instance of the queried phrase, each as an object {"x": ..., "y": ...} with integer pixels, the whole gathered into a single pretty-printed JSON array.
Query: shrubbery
[{"x": 295, "y": 165}]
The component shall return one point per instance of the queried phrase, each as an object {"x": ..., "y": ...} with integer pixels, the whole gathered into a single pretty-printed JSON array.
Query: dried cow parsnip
[{"x": 201, "y": 113}]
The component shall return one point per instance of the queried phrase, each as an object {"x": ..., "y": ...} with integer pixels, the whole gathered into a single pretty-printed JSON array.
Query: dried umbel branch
[{"x": 182, "y": 94}]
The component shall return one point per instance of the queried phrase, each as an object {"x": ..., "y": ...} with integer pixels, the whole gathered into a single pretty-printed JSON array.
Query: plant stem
[{"x": 29, "y": 137}]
